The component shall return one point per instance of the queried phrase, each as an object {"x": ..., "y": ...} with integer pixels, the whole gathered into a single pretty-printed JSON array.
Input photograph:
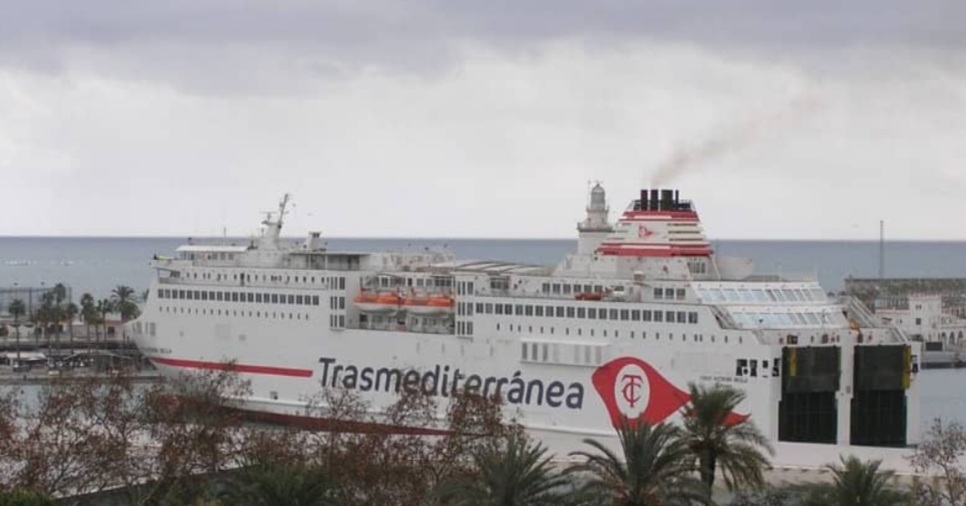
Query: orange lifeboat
[
  {"x": 369, "y": 302},
  {"x": 416, "y": 304},
  {"x": 441, "y": 304},
  {"x": 588, "y": 296}
]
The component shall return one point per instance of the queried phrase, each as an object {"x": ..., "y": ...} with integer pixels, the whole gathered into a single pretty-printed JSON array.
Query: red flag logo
[{"x": 633, "y": 390}]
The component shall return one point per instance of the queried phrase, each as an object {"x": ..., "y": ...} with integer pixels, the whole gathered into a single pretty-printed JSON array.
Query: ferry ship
[{"x": 618, "y": 328}]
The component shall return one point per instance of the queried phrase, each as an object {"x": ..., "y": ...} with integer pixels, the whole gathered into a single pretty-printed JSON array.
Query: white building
[{"x": 922, "y": 318}]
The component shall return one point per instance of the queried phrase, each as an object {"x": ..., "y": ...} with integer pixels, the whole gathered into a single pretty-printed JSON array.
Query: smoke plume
[{"x": 687, "y": 158}]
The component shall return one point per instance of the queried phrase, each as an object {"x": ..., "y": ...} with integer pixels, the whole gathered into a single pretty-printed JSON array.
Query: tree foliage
[{"x": 738, "y": 448}]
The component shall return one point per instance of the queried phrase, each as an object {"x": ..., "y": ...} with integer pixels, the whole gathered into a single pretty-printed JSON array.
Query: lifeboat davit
[
  {"x": 369, "y": 302},
  {"x": 435, "y": 305}
]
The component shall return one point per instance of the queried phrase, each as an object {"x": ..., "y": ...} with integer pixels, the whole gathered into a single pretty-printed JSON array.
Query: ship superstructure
[{"x": 617, "y": 329}]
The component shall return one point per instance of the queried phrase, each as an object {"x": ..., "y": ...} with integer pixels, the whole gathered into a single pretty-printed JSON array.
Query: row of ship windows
[
  {"x": 591, "y": 313},
  {"x": 787, "y": 319},
  {"x": 698, "y": 338},
  {"x": 234, "y": 312},
  {"x": 253, "y": 297},
  {"x": 550, "y": 352},
  {"x": 763, "y": 295},
  {"x": 566, "y": 289},
  {"x": 336, "y": 282}
]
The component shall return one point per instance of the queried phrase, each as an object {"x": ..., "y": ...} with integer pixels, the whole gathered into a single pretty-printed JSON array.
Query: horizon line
[{"x": 467, "y": 238}]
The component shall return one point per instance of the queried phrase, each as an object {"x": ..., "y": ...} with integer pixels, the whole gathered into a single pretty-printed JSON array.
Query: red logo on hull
[{"x": 633, "y": 390}]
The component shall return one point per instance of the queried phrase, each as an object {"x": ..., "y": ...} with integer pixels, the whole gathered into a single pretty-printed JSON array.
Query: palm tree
[
  {"x": 736, "y": 446},
  {"x": 88, "y": 312},
  {"x": 276, "y": 485},
  {"x": 123, "y": 300},
  {"x": 855, "y": 483},
  {"x": 70, "y": 314},
  {"x": 517, "y": 473},
  {"x": 104, "y": 308},
  {"x": 656, "y": 469},
  {"x": 17, "y": 309}
]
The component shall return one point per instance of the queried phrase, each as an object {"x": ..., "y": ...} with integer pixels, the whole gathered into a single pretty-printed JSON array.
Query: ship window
[
  {"x": 587, "y": 289},
  {"x": 556, "y": 288},
  {"x": 680, "y": 293},
  {"x": 528, "y": 309},
  {"x": 692, "y": 317},
  {"x": 519, "y": 309},
  {"x": 570, "y": 312},
  {"x": 658, "y": 316},
  {"x": 658, "y": 293},
  {"x": 580, "y": 332},
  {"x": 274, "y": 298},
  {"x": 479, "y": 307},
  {"x": 523, "y": 350},
  {"x": 567, "y": 331},
  {"x": 488, "y": 308},
  {"x": 546, "y": 352},
  {"x": 586, "y": 354},
  {"x": 669, "y": 316},
  {"x": 566, "y": 289},
  {"x": 636, "y": 315},
  {"x": 613, "y": 314},
  {"x": 548, "y": 311},
  {"x": 281, "y": 299},
  {"x": 315, "y": 300},
  {"x": 646, "y": 315},
  {"x": 291, "y": 299},
  {"x": 545, "y": 288},
  {"x": 591, "y": 332},
  {"x": 499, "y": 309},
  {"x": 539, "y": 311},
  {"x": 181, "y": 294},
  {"x": 625, "y": 314},
  {"x": 298, "y": 299},
  {"x": 160, "y": 293},
  {"x": 682, "y": 317},
  {"x": 581, "y": 312},
  {"x": 341, "y": 302},
  {"x": 592, "y": 313},
  {"x": 605, "y": 333},
  {"x": 598, "y": 289}
]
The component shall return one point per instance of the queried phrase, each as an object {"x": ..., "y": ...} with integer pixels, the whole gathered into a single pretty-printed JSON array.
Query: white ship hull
[{"x": 284, "y": 325}]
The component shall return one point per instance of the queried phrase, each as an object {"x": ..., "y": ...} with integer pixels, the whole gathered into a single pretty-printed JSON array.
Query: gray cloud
[{"x": 413, "y": 34}]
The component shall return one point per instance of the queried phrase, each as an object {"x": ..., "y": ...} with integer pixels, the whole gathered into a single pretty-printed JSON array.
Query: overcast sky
[{"x": 458, "y": 118}]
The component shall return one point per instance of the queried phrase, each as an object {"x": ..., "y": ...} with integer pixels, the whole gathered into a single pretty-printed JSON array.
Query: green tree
[
  {"x": 736, "y": 446},
  {"x": 104, "y": 308},
  {"x": 124, "y": 302},
  {"x": 280, "y": 485},
  {"x": 855, "y": 483},
  {"x": 70, "y": 314},
  {"x": 88, "y": 312},
  {"x": 515, "y": 472},
  {"x": 17, "y": 310},
  {"x": 656, "y": 469},
  {"x": 24, "y": 498}
]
